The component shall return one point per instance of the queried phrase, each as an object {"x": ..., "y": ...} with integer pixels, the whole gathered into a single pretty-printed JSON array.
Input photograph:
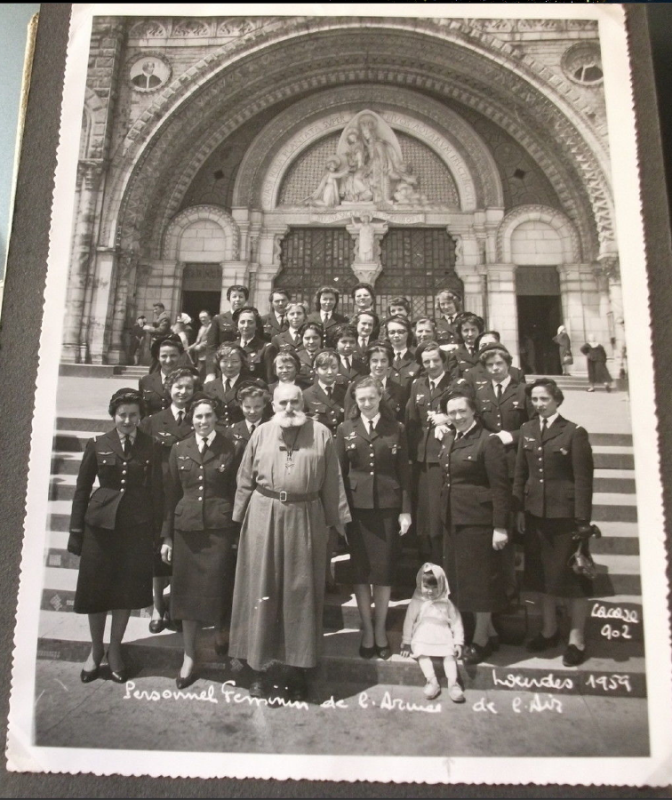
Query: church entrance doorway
[
  {"x": 201, "y": 291},
  {"x": 539, "y": 315}
]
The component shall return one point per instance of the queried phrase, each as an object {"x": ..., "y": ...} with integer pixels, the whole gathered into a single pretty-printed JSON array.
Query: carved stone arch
[
  {"x": 571, "y": 249},
  {"x": 92, "y": 143},
  {"x": 440, "y": 128},
  {"x": 142, "y": 188},
  {"x": 173, "y": 233}
]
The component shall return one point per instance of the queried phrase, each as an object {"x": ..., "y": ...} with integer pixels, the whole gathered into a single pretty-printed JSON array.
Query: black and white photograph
[{"x": 344, "y": 459}]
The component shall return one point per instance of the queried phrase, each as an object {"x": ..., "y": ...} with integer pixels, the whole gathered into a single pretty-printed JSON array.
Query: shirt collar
[
  {"x": 375, "y": 420},
  {"x": 400, "y": 353},
  {"x": 131, "y": 436},
  {"x": 250, "y": 424},
  {"x": 461, "y": 435},
  {"x": 175, "y": 411},
  {"x": 324, "y": 387},
  {"x": 504, "y": 384},
  {"x": 550, "y": 420},
  {"x": 209, "y": 438},
  {"x": 435, "y": 381},
  {"x": 232, "y": 381}
]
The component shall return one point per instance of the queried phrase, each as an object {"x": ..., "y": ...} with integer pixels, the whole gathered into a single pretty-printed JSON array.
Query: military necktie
[{"x": 127, "y": 445}]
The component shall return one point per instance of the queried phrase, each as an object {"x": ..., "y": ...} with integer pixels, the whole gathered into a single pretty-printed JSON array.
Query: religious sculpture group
[{"x": 368, "y": 167}]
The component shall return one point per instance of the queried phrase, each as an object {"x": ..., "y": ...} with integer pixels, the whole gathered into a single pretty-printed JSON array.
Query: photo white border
[{"x": 654, "y": 770}]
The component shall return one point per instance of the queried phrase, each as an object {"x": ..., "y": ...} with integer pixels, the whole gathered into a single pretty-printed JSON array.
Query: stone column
[
  {"x": 117, "y": 352},
  {"x": 502, "y": 305},
  {"x": 609, "y": 267},
  {"x": 470, "y": 267},
  {"x": 100, "y": 304},
  {"x": 270, "y": 239},
  {"x": 89, "y": 179}
]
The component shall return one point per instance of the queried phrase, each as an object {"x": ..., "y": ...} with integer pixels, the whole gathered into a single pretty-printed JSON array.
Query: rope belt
[{"x": 288, "y": 497}]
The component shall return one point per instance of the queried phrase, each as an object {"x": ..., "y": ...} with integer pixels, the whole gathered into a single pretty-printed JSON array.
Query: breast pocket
[
  {"x": 106, "y": 459},
  {"x": 186, "y": 466}
]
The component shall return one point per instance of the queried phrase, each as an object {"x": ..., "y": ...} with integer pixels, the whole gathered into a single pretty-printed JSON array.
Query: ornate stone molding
[
  {"x": 516, "y": 118},
  {"x": 611, "y": 267},
  {"x": 556, "y": 219},
  {"x": 173, "y": 234}
]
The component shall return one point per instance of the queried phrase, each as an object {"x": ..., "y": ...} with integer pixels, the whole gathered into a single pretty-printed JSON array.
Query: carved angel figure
[{"x": 328, "y": 193}]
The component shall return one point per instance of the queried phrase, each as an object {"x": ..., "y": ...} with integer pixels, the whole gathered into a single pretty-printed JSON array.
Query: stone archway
[
  {"x": 188, "y": 218},
  {"x": 571, "y": 247}
]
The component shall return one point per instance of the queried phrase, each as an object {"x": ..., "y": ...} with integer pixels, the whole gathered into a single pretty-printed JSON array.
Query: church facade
[{"x": 414, "y": 154}]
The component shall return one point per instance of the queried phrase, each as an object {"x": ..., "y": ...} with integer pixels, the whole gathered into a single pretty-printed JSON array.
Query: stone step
[
  {"x": 607, "y": 671},
  {"x": 615, "y": 480}
]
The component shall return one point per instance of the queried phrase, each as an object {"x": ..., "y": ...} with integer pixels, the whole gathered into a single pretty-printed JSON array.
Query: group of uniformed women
[{"x": 434, "y": 428}]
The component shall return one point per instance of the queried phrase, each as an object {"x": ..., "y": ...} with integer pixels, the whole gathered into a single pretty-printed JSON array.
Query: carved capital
[
  {"x": 90, "y": 172},
  {"x": 611, "y": 267}
]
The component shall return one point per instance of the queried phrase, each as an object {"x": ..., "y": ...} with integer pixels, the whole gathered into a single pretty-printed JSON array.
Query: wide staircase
[{"x": 616, "y": 663}]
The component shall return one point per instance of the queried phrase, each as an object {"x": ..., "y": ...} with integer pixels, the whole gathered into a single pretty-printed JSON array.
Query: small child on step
[{"x": 433, "y": 628}]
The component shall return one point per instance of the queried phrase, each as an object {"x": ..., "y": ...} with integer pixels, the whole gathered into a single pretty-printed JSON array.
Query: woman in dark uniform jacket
[
  {"x": 553, "y": 492},
  {"x": 376, "y": 475},
  {"x": 475, "y": 509},
  {"x": 423, "y": 417},
  {"x": 152, "y": 387},
  {"x": 325, "y": 314},
  {"x": 113, "y": 529},
  {"x": 449, "y": 304},
  {"x": 232, "y": 363},
  {"x": 222, "y": 328},
  {"x": 324, "y": 400},
  {"x": 290, "y": 339},
  {"x": 260, "y": 354},
  {"x": 166, "y": 428},
  {"x": 198, "y": 532},
  {"x": 469, "y": 327},
  {"x": 378, "y": 359},
  {"x": 312, "y": 341},
  {"x": 399, "y": 333}
]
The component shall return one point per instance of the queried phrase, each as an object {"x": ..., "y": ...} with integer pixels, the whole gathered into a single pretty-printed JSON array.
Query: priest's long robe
[{"x": 280, "y": 576}]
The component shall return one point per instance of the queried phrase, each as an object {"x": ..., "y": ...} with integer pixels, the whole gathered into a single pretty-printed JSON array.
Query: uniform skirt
[
  {"x": 429, "y": 481},
  {"x": 115, "y": 570},
  {"x": 475, "y": 571},
  {"x": 203, "y": 572},
  {"x": 548, "y": 547},
  {"x": 374, "y": 542}
]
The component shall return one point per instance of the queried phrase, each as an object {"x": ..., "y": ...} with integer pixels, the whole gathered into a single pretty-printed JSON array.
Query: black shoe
[
  {"x": 157, "y": 625},
  {"x": 475, "y": 653},
  {"x": 384, "y": 652},
  {"x": 258, "y": 688},
  {"x": 367, "y": 652},
  {"x": 540, "y": 643},
  {"x": 86, "y": 676},
  {"x": 119, "y": 676},
  {"x": 298, "y": 687},
  {"x": 573, "y": 656},
  {"x": 183, "y": 683}
]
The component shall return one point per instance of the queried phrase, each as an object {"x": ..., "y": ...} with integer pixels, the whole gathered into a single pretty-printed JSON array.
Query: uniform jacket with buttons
[
  {"x": 284, "y": 342},
  {"x": 478, "y": 376},
  {"x": 509, "y": 414},
  {"x": 375, "y": 467},
  {"x": 423, "y": 446},
  {"x": 446, "y": 332},
  {"x": 222, "y": 329},
  {"x": 260, "y": 355},
  {"x": 153, "y": 392},
  {"x": 465, "y": 359},
  {"x": 476, "y": 488},
  {"x": 129, "y": 492},
  {"x": 306, "y": 375},
  {"x": 357, "y": 367},
  {"x": 327, "y": 410},
  {"x": 272, "y": 327},
  {"x": 395, "y": 398},
  {"x": 200, "y": 489},
  {"x": 554, "y": 478},
  {"x": 231, "y": 411},
  {"x": 407, "y": 369},
  {"x": 165, "y": 431},
  {"x": 334, "y": 319},
  {"x": 240, "y": 434}
]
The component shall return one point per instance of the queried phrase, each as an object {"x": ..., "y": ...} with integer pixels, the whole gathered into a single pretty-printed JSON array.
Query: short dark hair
[
  {"x": 401, "y": 321},
  {"x": 201, "y": 397},
  {"x": 473, "y": 319},
  {"x": 424, "y": 319},
  {"x": 173, "y": 340},
  {"x": 324, "y": 356},
  {"x": 379, "y": 347},
  {"x": 226, "y": 348},
  {"x": 126, "y": 395},
  {"x": 326, "y": 290},
  {"x": 344, "y": 331},
  {"x": 374, "y": 316},
  {"x": 489, "y": 350},
  {"x": 315, "y": 326},
  {"x": 259, "y": 323},
  {"x": 400, "y": 301},
  {"x": 431, "y": 345},
  {"x": 551, "y": 387},
  {"x": 457, "y": 395},
  {"x": 368, "y": 288},
  {"x": 237, "y": 287},
  {"x": 158, "y": 304},
  {"x": 182, "y": 372},
  {"x": 252, "y": 388},
  {"x": 480, "y": 336},
  {"x": 454, "y": 296},
  {"x": 291, "y": 355},
  {"x": 283, "y": 292}
]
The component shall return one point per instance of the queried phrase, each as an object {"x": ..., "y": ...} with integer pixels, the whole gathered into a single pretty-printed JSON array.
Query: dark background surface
[{"x": 19, "y": 342}]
